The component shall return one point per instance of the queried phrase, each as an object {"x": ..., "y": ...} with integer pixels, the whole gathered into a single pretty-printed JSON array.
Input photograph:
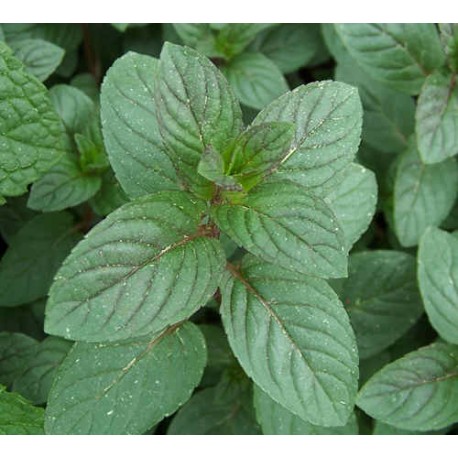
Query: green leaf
[
  {"x": 39, "y": 369},
  {"x": 438, "y": 280},
  {"x": 67, "y": 36},
  {"x": 416, "y": 392},
  {"x": 92, "y": 157},
  {"x": 290, "y": 46},
  {"x": 258, "y": 151},
  {"x": 382, "y": 165},
  {"x": 399, "y": 55},
  {"x": 17, "y": 416},
  {"x": 64, "y": 186},
  {"x": 125, "y": 387},
  {"x": 144, "y": 267},
  {"x": 14, "y": 348},
  {"x": 389, "y": 115},
  {"x": 110, "y": 196},
  {"x": 334, "y": 43},
  {"x": 211, "y": 167},
  {"x": 196, "y": 109},
  {"x": 449, "y": 39},
  {"x": 275, "y": 419},
  {"x": 73, "y": 106},
  {"x": 256, "y": 80},
  {"x": 198, "y": 36},
  {"x": 281, "y": 223},
  {"x": 292, "y": 336},
  {"x": 219, "y": 40},
  {"x": 13, "y": 215},
  {"x": 328, "y": 117},
  {"x": 382, "y": 298},
  {"x": 31, "y": 134},
  {"x": 86, "y": 83},
  {"x": 130, "y": 128},
  {"x": 384, "y": 429},
  {"x": 423, "y": 195},
  {"x": 27, "y": 319},
  {"x": 437, "y": 118},
  {"x": 232, "y": 39},
  {"x": 33, "y": 257},
  {"x": 193, "y": 34},
  {"x": 41, "y": 58},
  {"x": 218, "y": 410},
  {"x": 353, "y": 201}
]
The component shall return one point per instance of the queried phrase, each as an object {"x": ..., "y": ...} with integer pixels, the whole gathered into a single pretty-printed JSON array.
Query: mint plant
[
  {"x": 228, "y": 229},
  {"x": 254, "y": 56}
]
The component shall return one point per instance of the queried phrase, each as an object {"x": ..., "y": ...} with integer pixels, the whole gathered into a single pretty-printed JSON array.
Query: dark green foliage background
[{"x": 385, "y": 195}]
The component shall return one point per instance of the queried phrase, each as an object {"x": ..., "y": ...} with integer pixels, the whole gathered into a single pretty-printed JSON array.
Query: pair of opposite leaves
[{"x": 147, "y": 266}]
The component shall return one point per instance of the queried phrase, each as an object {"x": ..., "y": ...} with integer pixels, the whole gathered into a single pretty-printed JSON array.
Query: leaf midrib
[{"x": 238, "y": 275}]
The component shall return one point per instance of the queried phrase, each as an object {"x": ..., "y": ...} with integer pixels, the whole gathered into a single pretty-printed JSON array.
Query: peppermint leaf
[
  {"x": 125, "y": 387},
  {"x": 382, "y": 298},
  {"x": 218, "y": 410},
  {"x": 423, "y": 195},
  {"x": 438, "y": 281},
  {"x": 31, "y": 134},
  {"x": 292, "y": 336},
  {"x": 416, "y": 392},
  {"x": 353, "y": 201},
  {"x": 275, "y": 419},
  {"x": 64, "y": 186},
  {"x": 41, "y": 58},
  {"x": 18, "y": 416},
  {"x": 437, "y": 118},
  {"x": 33, "y": 257},
  {"x": 39, "y": 369},
  {"x": 146, "y": 266},
  {"x": 14, "y": 350},
  {"x": 399, "y": 55},
  {"x": 130, "y": 128},
  {"x": 389, "y": 115},
  {"x": 195, "y": 109},
  {"x": 73, "y": 106},
  {"x": 290, "y": 46},
  {"x": 256, "y": 80},
  {"x": 328, "y": 117},
  {"x": 281, "y": 223}
]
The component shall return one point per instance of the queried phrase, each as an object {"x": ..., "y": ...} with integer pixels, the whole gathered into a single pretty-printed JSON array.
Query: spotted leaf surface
[
  {"x": 144, "y": 267},
  {"x": 31, "y": 134},
  {"x": 281, "y": 223},
  {"x": 275, "y": 419},
  {"x": 328, "y": 117},
  {"x": 423, "y": 195},
  {"x": 416, "y": 392},
  {"x": 130, "y": 128},
  {"x": 438, "y": 280},
  {"x": 292, "y": 336},
  {"x": 125, "y": 387},
  {"x": 400, "y": 55}
]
